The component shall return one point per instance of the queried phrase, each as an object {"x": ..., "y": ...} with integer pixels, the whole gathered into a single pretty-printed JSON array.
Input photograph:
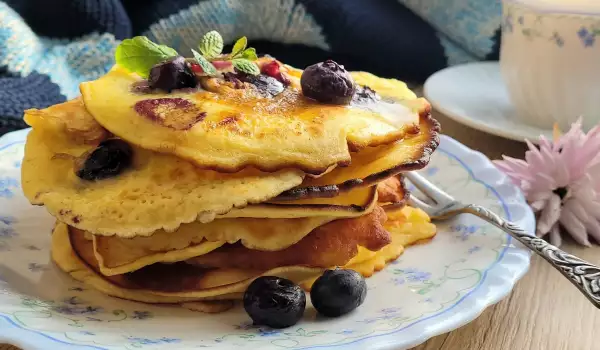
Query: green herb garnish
[
  {"x": 246, "y": 66},
  {"x": 139, "y": 54},
  {"x": 207, "y": 67},
  {"x": 239, "y": 46},
  {"x": 211, "y": 47},
  {"x": 211, "y": 44},
  {"x": 250, "y": 54}
]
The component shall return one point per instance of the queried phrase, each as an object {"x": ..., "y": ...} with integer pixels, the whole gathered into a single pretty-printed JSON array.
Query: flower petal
[
  {"x": 561, "y": 176},
  {"x": 541, "y": 196},
  {"x": 575, "y": 227},
  {"x": 545, "y": 143},
  {"x": 577, "y": 209},
  {"x": 593, "y": 229},
  {"x": 550, "y": 214},
  {"x": 538, "y": 205},
  {"x": 555, "y": 238}
]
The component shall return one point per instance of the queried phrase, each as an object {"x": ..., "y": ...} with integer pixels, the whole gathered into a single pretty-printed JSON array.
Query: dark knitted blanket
[{"x": 47, "y": 47}]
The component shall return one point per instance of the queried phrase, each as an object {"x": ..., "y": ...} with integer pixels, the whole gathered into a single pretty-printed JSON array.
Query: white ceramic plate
[
  {"x": 432, "y": 289},
  {"x": 474, "y": 94}
]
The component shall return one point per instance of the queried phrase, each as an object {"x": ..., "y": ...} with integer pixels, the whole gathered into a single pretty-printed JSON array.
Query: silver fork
[{"x": 585, "y": 276}]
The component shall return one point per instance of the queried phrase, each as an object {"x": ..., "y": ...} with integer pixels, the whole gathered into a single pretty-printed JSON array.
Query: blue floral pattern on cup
[
  {"x": 588, "y": 36},
  {"x": 532, "y": 27}
]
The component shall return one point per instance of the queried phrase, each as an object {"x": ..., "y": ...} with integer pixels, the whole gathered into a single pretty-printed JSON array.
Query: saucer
[{"x": 474, "y": 94}]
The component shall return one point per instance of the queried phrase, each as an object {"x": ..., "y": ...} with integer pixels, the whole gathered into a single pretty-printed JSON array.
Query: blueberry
[
  {"x": 274, "y": 302},
  {"x": 328, "y": 82},
  {"x": 173, "y": 73},
  {"x": 109, "y": 159},
  {"x": 338, "y": 292}
]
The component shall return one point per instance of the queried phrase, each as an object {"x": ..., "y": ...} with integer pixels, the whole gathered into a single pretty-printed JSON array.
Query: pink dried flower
[{"x": 561, "y": 181}]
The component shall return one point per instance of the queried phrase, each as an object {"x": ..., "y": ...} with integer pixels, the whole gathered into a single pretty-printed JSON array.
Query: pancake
[
  {"x": 121, "y": 255},
  {"x": 117, "y": 255},
  {"x": 355, "y": 203},
  {"x": 374, "y": 164},
  {"x": 332, "y": 244},
  {"x": 392, "y": 191},
  {"x": 66, "y": 131},
  {"x": 158, "y": 192},
  {"x": 176, "y": 283},
  {"x": 227, "y": 129},
  {"x": 162, "y": 283}
]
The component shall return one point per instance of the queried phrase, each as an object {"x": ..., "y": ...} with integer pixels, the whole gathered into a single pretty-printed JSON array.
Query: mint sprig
[
  {"x": 249, "y": 54},
  {"x": 207, "y": 67},
  {"x": 139, "y": 54},
  {"x": 239, "y": 46},
  {"x": 211, "y": 47},
  {"x": 211, "y": 44},
  {"x": 246, "y": 66}
]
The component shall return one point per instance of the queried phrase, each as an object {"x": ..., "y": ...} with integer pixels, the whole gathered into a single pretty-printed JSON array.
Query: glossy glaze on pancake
[{"x": 240, "y": 128}]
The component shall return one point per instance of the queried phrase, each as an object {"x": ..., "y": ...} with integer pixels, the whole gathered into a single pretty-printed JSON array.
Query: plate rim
[
  {"x": 511, "y": 134},
  {"x": 485, "y": 294}
]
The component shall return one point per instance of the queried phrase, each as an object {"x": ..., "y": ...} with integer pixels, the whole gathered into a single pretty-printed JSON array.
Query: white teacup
[{"x": 550, "y": 60}]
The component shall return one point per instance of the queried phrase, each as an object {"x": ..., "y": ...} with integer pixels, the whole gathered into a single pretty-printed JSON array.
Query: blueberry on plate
[
  {"x": 274, "y": 302},
  {"x": 109, "y": 159},
  {"x": 328, "y": 82},
  {"x": 171, "y": 74},
  {"x": 338, "y": 292}
]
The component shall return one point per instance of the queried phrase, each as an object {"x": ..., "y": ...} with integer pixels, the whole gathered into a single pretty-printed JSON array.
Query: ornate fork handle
[{"x": 582, "y": 274}]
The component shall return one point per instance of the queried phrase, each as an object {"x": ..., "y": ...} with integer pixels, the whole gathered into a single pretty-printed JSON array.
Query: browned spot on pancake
[
  {"x": 332, "y": 244},
  {"x": 228, "y": 120},
  {"x": 74, "y": 120},
  {"x": 391, "y": 190},
  {"x": 174, "y": 113},
  {"x": 413, "y": 129},
  {"x": 76, "y": 219}
]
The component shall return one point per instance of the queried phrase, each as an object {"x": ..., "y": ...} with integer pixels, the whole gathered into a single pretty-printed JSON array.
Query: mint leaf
[
  {"x": 139, "y": 54},
  {"x": 246, "y": 66},
  {"x": 239, "y": 46},
  {"x": 249, "y": 54},
  {"x": 211, "y": 44},
  {"x": 207, "y": 67}
]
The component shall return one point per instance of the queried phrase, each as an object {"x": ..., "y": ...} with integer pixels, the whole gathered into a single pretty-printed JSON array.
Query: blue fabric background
[{"x": 47, "y": 47}]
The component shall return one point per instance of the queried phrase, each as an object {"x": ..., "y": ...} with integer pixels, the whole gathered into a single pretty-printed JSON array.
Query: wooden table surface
[{"x": 544, "y": 311}]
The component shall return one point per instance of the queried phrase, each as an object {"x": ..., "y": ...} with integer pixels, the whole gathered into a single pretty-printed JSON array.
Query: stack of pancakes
[{"x": 227, "y": 184}]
